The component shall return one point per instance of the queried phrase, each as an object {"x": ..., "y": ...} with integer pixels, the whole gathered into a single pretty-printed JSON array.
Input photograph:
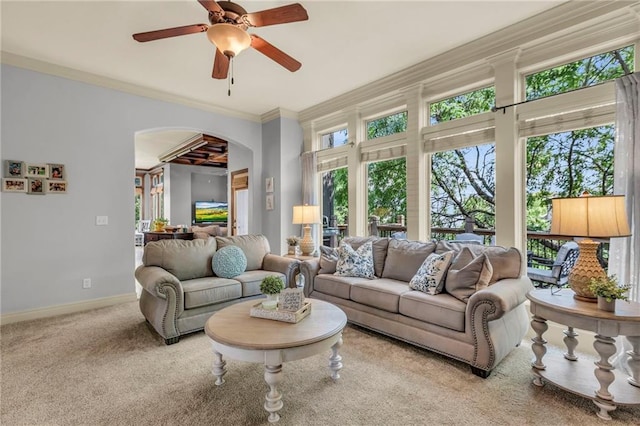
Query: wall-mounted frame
[
  {"x": 37, "y": 170},
  {"x": 14, "y": 185},
  {"x": 36, "y": 186},
  {"x": 56, "y": 186},
  {"x": 57, "y": 171},
  {"x": 270, "y": 202},
  {"x": 14, "y": 169},
  {"x": 138, "y": 181},
  {"x": 268, "y": 184}
]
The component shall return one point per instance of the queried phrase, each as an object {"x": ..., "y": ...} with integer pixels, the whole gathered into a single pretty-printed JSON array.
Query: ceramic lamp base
[
  {"x": 307, "y": 246},
  {"x": 587, "y": 266}
]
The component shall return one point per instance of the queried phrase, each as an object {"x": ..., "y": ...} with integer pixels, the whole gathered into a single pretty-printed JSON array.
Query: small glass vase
[
  {"x": 271, "y": 303},
  {"x": 603, "y": 305}
]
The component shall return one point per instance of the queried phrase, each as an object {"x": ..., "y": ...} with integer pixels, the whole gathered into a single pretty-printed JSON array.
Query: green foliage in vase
[
  {"x": 271, "y": 285},
  {"x": 609, "y": 288}
]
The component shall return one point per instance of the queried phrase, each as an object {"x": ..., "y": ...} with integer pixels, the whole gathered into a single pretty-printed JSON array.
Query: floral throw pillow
[
  {"x": 355, "y": 263},
  {"x": 430, "y": 276}
]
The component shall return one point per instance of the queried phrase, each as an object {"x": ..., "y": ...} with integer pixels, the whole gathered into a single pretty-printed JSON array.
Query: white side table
[{"x": 605, "y": 386}]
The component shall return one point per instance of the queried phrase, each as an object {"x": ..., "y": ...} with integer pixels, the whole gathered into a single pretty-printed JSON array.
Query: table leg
[
  {"x": 335, "y": 360},
  {"x": 606, "y": 348},
  {"x": 273, "y": 400},
  {"x": 539, "y": 325},
  {"x": 571, "y": 343},
  {"x": 634, "y": 360},
  {"x": 219, "y": 367}
]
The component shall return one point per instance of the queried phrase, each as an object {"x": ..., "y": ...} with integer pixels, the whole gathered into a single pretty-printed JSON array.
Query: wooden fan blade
[
  {"x": 274, "y": 53},
  {"x": 220, "y": 65},
  {"x": 279, "y": 15},
  {"x": 170, "y": 32},
  {"x": 211, "y": 6}
]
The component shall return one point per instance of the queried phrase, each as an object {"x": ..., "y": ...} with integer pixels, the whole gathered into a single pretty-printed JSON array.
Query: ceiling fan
[{"x": 228, "y": 31}]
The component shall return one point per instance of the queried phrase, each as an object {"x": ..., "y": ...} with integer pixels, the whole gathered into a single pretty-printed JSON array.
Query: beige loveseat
[
  {"x": 181, "y": 291},
  {"x": 480, "y": 325}
]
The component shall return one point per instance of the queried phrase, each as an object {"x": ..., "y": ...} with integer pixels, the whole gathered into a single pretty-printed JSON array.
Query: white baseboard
[{"x": 67, "y": 308}]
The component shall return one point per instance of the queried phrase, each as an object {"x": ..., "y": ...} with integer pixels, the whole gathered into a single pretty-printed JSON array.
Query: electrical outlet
[
  {"x": 102, "y": 220},
  {"x": 86, "y": 283}
]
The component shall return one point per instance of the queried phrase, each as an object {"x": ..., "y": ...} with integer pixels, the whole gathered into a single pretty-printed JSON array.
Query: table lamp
[
  {"x": 306, "y": 215},
  {"x": 590, "y": 217}
]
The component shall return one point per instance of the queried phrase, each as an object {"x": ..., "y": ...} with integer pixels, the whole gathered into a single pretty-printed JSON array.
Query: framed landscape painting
[
  {"x": 13, "y": 169},
  {"x": 14, "y": 185}
]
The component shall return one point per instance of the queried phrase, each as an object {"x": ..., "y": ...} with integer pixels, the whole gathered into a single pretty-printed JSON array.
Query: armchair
[{"x": 557, "y": 272}]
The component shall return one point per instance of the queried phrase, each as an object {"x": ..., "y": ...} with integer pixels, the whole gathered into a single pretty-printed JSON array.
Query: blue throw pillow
[{"x": 229, "y": 262}]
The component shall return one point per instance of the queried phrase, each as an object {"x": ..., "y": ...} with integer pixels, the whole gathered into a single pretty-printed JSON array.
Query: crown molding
[
  {"x": 109, "y": 83},
  {"x": 278, "y": 113},
  {"x": 524, "y": 33}
]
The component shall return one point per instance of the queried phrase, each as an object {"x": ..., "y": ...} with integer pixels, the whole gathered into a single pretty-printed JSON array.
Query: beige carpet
[{"x": 105, "y": 367}]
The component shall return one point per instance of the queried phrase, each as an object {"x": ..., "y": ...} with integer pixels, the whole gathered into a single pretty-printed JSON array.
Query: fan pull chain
[{"x": 230, "y": 77}]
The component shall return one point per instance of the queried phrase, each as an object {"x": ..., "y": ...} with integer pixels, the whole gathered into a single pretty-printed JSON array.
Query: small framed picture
[
  {"x": 37, "y": 170},
  {"x": 270, "y": 202},
  {"x": 268, "y": 184},
  {"x": 56, "y": 171},
  {"x": 138, "y": 181},
  {"x": 36, "y": 186},
  {"x": 14, "y": 185},
  {"x": 291, "y": 299},
  {"x": 13, "y": 169},
  {"x": 56, "y": 186}
]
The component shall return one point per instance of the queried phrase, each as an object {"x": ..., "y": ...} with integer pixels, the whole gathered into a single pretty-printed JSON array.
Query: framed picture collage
[{"x": 34, "y": 178}]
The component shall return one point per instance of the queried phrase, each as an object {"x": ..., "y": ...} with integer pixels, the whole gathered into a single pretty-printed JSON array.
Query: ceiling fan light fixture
[{"x": 228, "y": 38}]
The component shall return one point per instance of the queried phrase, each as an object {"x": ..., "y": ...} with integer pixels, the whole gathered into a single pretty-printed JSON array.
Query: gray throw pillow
[
  {"x": 465, "y": 279},
  {"x": 328, "y": 260},
  {"x": 405, "y": 257}
]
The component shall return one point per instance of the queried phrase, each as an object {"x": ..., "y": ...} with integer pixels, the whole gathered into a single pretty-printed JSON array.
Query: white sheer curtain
[
  {"x": 624, "y": 258},
  {"x": 624, "y": 254},
  {"x": 310, "y": 185}
]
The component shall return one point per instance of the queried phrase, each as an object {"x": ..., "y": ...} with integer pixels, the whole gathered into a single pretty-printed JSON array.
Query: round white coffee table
[{"x": 237, "y": 335}]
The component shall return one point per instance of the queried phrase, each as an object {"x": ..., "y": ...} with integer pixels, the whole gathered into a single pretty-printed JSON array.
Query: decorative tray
[{"x": 278, "y": 315}]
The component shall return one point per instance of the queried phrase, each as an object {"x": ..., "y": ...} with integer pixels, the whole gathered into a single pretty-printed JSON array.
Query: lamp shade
[
  {"x": 306, "y": 214},
  {"x": 589, "y": 216},
  {"x": 228, "y": 38}
]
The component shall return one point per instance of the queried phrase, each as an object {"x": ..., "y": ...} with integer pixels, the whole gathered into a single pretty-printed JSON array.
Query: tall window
[
  {"x": 334, "y": 139},
  {"x": 157, "y": 195},
  {"x": 335, "y": 195},
  {"x": 387, "y": 189}
]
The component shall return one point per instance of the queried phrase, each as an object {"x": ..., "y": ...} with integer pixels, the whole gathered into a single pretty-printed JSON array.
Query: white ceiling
[{"x": 343, "y": 45}]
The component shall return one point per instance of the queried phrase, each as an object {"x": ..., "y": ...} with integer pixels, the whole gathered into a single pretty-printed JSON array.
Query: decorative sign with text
[{"x": 291, "y": 299}]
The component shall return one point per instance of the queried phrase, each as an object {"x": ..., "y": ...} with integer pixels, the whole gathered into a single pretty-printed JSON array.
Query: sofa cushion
[
  {"x": 207, "y": 291},
  {"x": 381, "y": 293},
  {"x": 204, "y": 232},
  {"x": 335, "y": 285},
  {"x": 328, "y": 260},
  {"x": 255, "y": 248},
  {"x": 442, "y": 309},
  {"x": 404, "y": 257},
  {"x": 379, "y": 250},
  {"x": 431, "y": 274},
  {"x": 251, "y": 280},
  {"x": 355, "y": 263},
  {"x": 229, "y": 261},
  {"x": 468, "y": 274},
  {"x": 186, "y": 259}
]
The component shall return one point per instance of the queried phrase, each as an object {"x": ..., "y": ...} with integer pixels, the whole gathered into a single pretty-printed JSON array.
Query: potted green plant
[
  {"x": 607, "y": 290},
  {"x": 271, "y": 286}
]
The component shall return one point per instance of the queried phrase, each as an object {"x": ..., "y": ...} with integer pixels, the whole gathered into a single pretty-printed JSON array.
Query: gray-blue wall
[{"x": 51, "y": 242}]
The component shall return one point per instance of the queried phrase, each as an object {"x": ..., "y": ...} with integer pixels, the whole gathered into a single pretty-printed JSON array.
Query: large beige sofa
[
  {"x": 180, "y": 290},
  {"x": 480, "y": 330}
]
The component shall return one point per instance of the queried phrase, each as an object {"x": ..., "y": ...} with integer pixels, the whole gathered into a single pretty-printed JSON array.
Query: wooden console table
[
  {"x": 605, "y": 386},
  {"x": 156, "y": 236}
]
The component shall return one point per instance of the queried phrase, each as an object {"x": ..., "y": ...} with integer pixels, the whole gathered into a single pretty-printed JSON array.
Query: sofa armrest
[
  {"x": 285, "y": 265},
  {"x": 502, "y": 296},
  {"x": 309, "y": 269},
  {"x": 162, "y": 284},
  {"x": 496, "y": 320}
]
